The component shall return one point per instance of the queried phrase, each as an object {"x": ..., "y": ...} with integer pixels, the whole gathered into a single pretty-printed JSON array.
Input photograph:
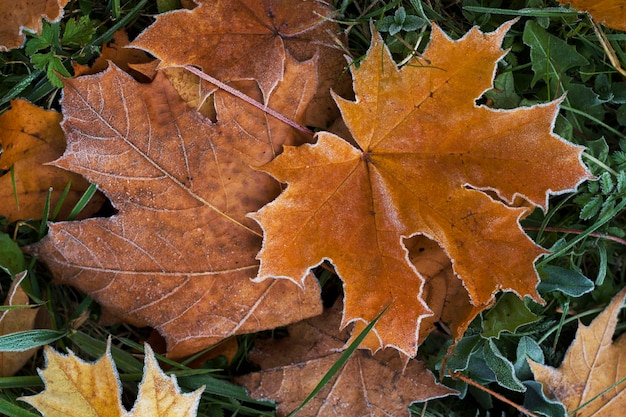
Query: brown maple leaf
[
  {"x": 180, "y": 253},
  {"x": 611, "y": 13},
  {"x": 428, "y": 161},
  {"x": 593, "y": 366},
  {"x": 17, "y": 16},
  {"x": 250, "y": 39},
  {"x": 30, "y": 138},
  {"x": 75, "y": 388},
  {"x": 372, "y": 385}
]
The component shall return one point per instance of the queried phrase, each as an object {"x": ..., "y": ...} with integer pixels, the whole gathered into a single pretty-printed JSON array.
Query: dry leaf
[
  {"x": 115, "y": 52},
  {"x": 16, "y": 320},
  {"x": 180, "y": 253},
  {"x": 429, "y": 161},
  {"x": 592, "y": 364},
  {"x": 611, "y": 13},
  {"x": 30, "y": 138},
  {"x": 367, "y": 385},
  {"x": 75, "y": 388},
  {"x": 250, "y": 39},
  {"x": 26, "y": 15}
]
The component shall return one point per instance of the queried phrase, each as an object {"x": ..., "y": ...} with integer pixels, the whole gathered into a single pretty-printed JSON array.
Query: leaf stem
[
  {"x": 577, "y": 232},
  {"x": 458, "y": 375},
  {"x": 248, "y": 99}
]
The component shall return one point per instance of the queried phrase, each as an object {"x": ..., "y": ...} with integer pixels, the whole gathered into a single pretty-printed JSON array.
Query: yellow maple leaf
[
  {"x": 588, "y": 380},
  {"x": 75, "y": 388}
]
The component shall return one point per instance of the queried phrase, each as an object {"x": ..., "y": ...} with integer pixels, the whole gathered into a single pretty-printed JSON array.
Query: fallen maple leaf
[
  {"x": 16, "y": 320},
  {"x": 26, "y": 15},
  {"x": 611, "y": 13},
  {"x": 30, "y": 138},
  {"x": 372, "y": 385},
  {"x": 115, "y": 51},
  {"x": 593, "y": 366},
  {"x": 252, "y": 39},
  {"x": 180, "y": 253},
  {"x": 428, "y": 161},
  {"x": 75, "y": 388}
]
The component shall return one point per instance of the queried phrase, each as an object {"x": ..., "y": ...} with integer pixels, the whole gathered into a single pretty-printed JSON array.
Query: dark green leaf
[
  {"x": 502, "y": 368},
  {"x": 536, "y": 401},
  {"x": 556, "y": 278},
  {"x": 508, "y": 314},
  {"x": 11, "y": 256}
]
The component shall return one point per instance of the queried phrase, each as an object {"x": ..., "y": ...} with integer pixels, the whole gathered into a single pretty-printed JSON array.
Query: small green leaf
[
  {"x": 78, "y": 32},
  {"x": 463, "y": 351},
  {"x": 606, "y": 183},
  {"x": 507, "y": 315},
  {"x": 550, "y": 56},
  {"x": 413, "y": 22},
  {"x": 556, "y": 278},
  {"x": 502, "y": 368},
  {"x": 591, "y": 208},
  {"x": 536, "y": 401},
  {"x": 11, "y": 256},
  {"x": 527, "y": 348}
]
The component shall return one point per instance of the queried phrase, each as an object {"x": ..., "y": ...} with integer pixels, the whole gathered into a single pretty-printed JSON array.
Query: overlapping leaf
[
  {"x": 17, "y": 16},
  {"x": 367, "y": 385},
  {"x": 31, "y": 137},
  {"x": 180, "y": 253},
  {"x": 251, "y": 39},
  {"x": 608, "y": 12},
  {"x": 75, "y": 388},
  {"x": 428, "y": 161},
  {"x": 590, "y": 379}
]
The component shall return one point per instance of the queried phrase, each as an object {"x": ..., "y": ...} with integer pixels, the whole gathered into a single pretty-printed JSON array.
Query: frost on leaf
[
  {"x": 251, "y": 40},
  {"x": 428, "y": 161},
  {"x": 31, "y": 137},
  {"x": 26, "y": 15},
  {"x": 367, "y": 385},
  {"x": 592, "y": 364},
  {"x": 180, "y": 253},
  {"x": 75, "y": 388}
]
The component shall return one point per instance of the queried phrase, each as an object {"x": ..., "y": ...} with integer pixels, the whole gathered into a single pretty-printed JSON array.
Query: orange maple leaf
[
  {"x": 251, "y": 39},
  {"x": 611, "y": 13},
  {"x": 367, "y": 385},
  {"x": 30, "y": 138},
  {"x": 75, "y": 388},
  {"x": 17, "y": 16},
  {"x": 590, "y": 379},
  {"x": 428, "y": 161},
  {"x": 180, "y": 253}
]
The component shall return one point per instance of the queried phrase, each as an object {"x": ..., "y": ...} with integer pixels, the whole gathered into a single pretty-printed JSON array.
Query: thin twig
[
  {"x": 248, "y": 99},
  {"x": 502, "y": 398},
  {"x": 577, "y": 232}
]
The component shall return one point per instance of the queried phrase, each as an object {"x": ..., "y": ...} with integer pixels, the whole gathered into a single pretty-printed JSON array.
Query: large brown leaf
[
  {"x": 428, "y": 161},
  {"x": 592, "y": 364},
  {"x": 180, "y": 253},
  {"x": 383, "y": 384},
  {"x": 250, "y": 39},
  {"x": 30, "y": 138}
]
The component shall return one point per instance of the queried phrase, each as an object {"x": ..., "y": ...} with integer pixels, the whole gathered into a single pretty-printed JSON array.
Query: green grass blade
[
  {"x": 22, "y": 341},
  {"x": 84, "y": 200},
  {"x": 340, "y": 362},
  {"x": 19, "y": 87},
  {"x": 61, "y": 200},
  {"x": 13, "y": 410}
]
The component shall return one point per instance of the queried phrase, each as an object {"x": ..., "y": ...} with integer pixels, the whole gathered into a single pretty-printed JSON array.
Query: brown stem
[
  {"x": 578, "y": 232},
  {"x": 248, "y": 99},
  {"x": 502, "y": 398}
]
